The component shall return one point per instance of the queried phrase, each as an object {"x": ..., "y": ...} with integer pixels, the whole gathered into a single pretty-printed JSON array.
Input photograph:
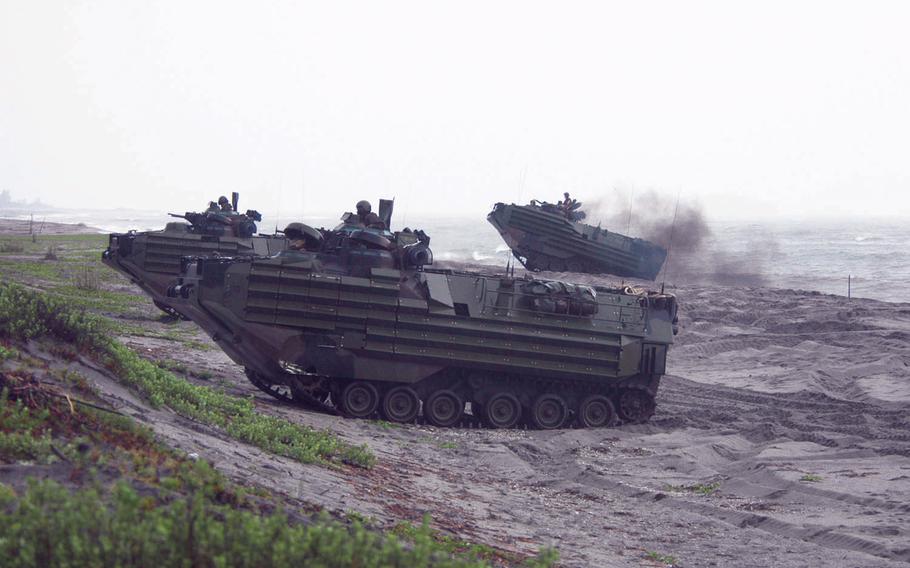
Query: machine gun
[
  {"x": 221, "y": 223},
  {"x": 200, "y": 219},
  {"x": 213, "y": 224}
]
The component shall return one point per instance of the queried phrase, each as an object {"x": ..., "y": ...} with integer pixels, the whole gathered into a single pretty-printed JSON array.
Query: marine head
[
  {"x": 566, "y": 195},
  {"x": 223, "y": 200},
  {"x": 363, "y": 207}
]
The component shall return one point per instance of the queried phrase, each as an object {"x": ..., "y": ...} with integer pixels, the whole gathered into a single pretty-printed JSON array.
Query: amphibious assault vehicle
[
  {"x": 359, "y": 322},
  {"x": 151, "y": 259},
  {"x": 542, "y": 237}
]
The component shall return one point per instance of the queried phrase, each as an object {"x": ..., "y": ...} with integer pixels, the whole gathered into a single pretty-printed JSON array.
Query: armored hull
[
  {"x": 151, "y": 259},
  {"x": 364, "y": 326},
  {"x": 542, "y": 238}
]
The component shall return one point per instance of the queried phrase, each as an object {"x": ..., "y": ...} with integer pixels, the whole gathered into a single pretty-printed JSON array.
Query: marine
[
  {"x": 225, "y": 205},
  {"x": 366, "y": 217},
  {"x": 566, "y": 203},
  {"x": 222, "y": 206}
]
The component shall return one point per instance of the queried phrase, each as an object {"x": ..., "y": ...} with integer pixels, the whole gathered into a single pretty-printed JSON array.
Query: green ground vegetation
[
  {"x": 697, "y": 488},
  {"x": 23, "y": 432},
  {"x": 184, "y": 369},
  {"x": 68, "y": 266},
  {"x": 26, "y": 314},
  {"x": 166, "y": 510},
  {"x": 661, "y": 558},
  {"x": 50, "y": 526},
  {"x": 452, "y": 545},
  {"x": 19, "y": 244},
  {"x": 8, "y": 352},
  {"x": 120, "y": 498}
]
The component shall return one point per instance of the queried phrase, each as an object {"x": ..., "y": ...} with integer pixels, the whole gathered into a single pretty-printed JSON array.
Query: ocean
[{"x": 816, "y": 255}]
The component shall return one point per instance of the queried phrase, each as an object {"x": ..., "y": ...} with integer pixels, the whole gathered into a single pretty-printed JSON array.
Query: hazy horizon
[
  {"x": 286, "y": 215},
  {"x": 753, "y": 112}
]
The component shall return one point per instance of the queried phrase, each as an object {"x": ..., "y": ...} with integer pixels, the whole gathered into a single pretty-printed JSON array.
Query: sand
[
  {"x": 781, "y": 438},
  {"x": 17, "y": 227}
]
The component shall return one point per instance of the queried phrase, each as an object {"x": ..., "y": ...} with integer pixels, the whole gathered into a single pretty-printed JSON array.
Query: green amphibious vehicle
[
  {"x": 151, "y": 259},
  {"x": 542, "y": 236},
  {"x": 358, "y": 322}
]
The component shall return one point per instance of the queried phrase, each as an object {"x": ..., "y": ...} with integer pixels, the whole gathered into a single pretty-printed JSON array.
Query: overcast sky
[{"x": 772, "y": 108}]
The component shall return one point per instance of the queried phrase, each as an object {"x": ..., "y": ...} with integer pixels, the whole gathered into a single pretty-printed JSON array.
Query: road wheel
[
  {"x": 576, "y": 266},
  {"x": 635, "y": 406},
  {"x": 549, "y": 411},
  {"x": 502, "y": 410},
  {"x": 596, "y": 411},
  {"x": 400, "y": 404},
  {"x": 443, "y": 408},
  {"x": 359, "y": 399}
]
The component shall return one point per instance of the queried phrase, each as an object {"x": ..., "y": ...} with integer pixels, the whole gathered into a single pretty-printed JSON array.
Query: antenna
[
  {"x": 407, "y": 203},
  {"x": 670, "y": 244},
  {"x": 278, "y": 205},
  {"x": 303, "y": 190},
  {"x": 631, "y": 201},
  {"x": 521, "y": 182}
]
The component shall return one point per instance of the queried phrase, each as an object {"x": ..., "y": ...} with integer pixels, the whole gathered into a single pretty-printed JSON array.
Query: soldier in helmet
[
  {"x": 566, "y": 203},
  {"x": 225, "y": 205},
  {"x": 568, "y": 206},
  {"x": 366, "y": 217}
]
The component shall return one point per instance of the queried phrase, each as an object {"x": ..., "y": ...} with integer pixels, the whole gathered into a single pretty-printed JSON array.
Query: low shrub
[
  {"x": 23, "y": 434},
  {"x": 86, "y": 278},
  {"x": 49, "y": 526},
  {"x": 11, "y": 246}
]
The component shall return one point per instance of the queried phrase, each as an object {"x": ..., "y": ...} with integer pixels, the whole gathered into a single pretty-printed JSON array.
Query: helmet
[
  {"x": 566, "y": 194},
  {"x": 294, "y": 230},
  {"x": 222, "y": 200},
  {"x": 363, "y": 206}
]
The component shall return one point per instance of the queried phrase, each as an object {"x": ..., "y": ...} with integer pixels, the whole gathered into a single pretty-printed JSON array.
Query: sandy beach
[
  {"x": 19, "y": 227},
  {"x": 781, "y": 438}
]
